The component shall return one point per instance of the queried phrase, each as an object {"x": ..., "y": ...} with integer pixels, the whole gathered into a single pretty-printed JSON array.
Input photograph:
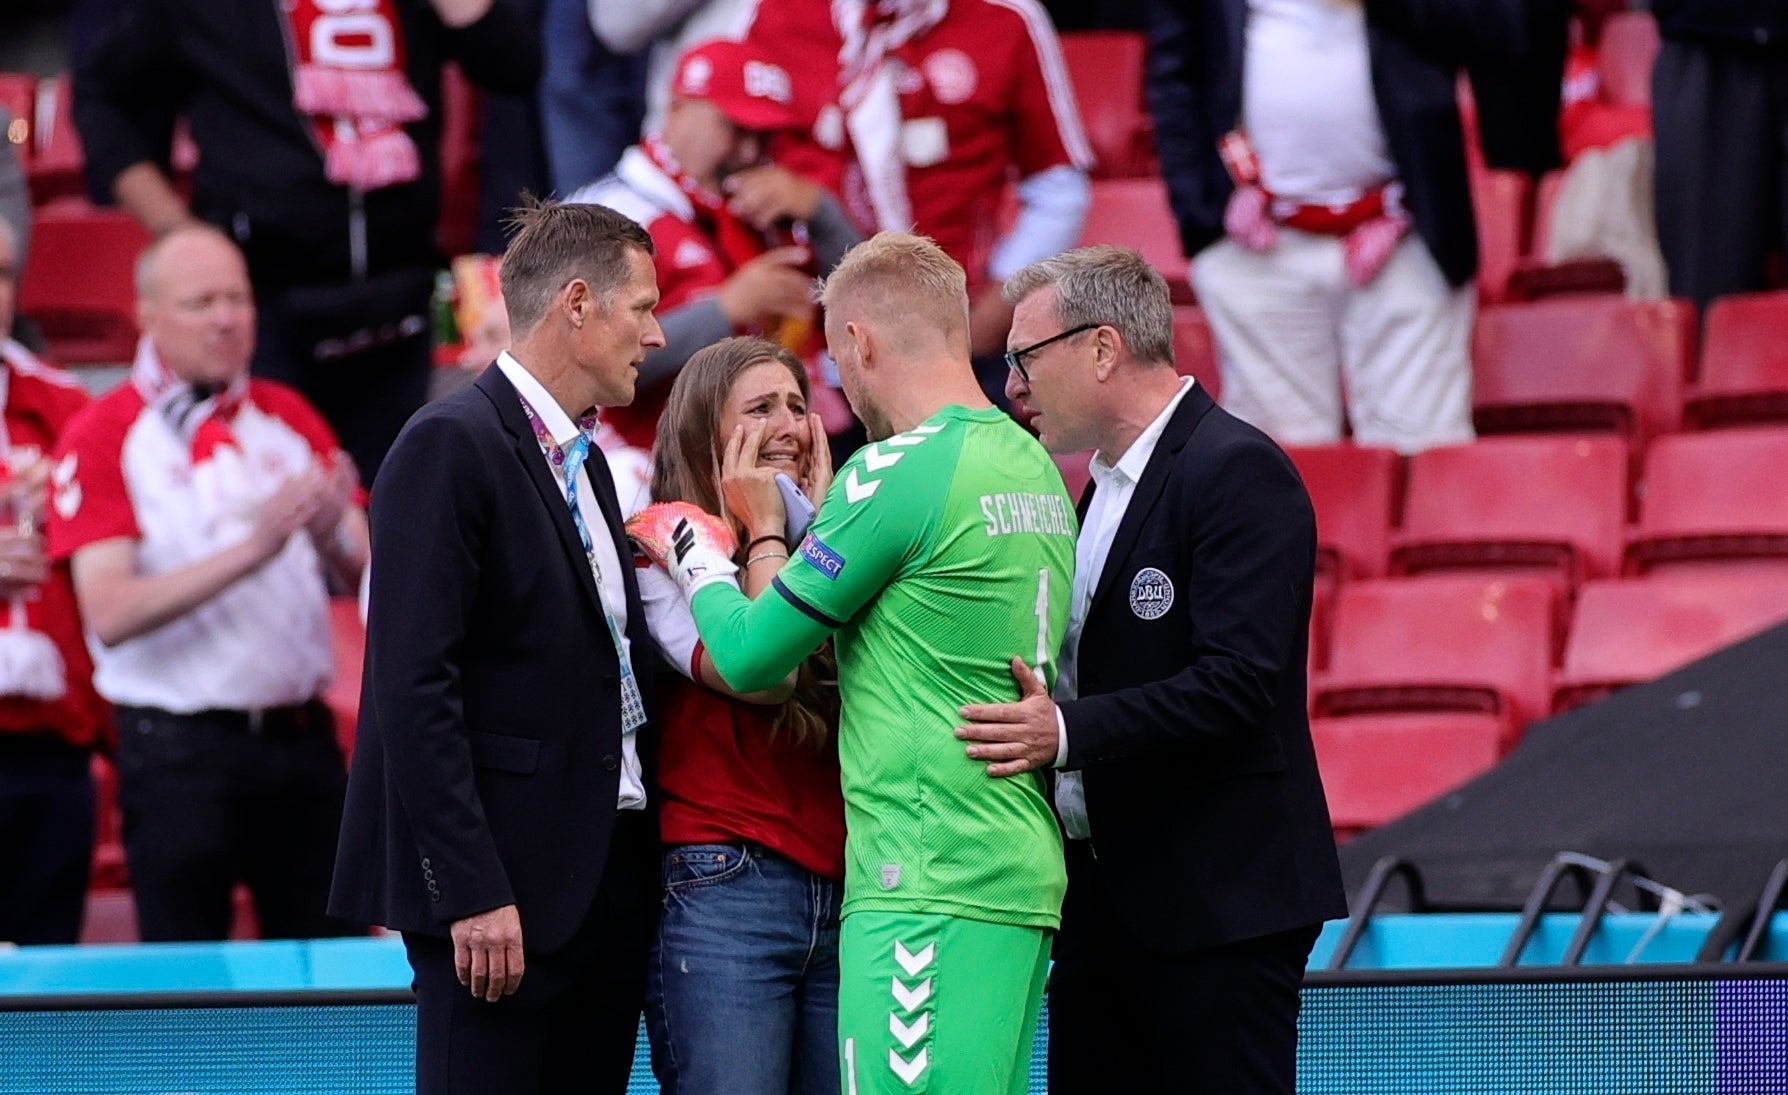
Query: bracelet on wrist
[
  {"x": 783, "y": 540},
  {"x": 766, "y": 555}
]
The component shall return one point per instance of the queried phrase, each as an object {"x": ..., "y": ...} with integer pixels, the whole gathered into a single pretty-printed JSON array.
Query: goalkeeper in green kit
[{"x": 944, "y": 551}]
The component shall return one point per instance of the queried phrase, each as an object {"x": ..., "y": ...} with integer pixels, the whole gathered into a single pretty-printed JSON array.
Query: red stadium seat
[
  {"x": 1629, "y": 631},
  {"x": 55, "y": 169},
  {"x": 1476, "y": 507},
  {"x": 1379, "y": 767},
  {"x": 1535, "y": 278},
  {"x": 78, "y": 282},
  {"x": 1106, "y": 69},
  {"x": 108, "y": 869},
  {"x": 1441, "y": 644},
  {"x": 1744, "y": 363},
  {"x": 18, "y": 97},
  {"x": 1499, "y": 201},
  {"x": 1582, "y": 363},
  {"x": 1714, "y": 501},
  {"x": 1354, "y": 491},
  {"x": 1075, "y": 475},
  {"x": 1134, "y": 213},
  {"x": 343, "y": 696},
  {"x": 1195, "y": 350},
  {"x": 1629, "y": 49}
]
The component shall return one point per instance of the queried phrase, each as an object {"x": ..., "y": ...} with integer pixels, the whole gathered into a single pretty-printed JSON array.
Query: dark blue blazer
[
  {"x": 1207, "y": 814},
  {"x": 1512, "y": 49},
  {"x": 487, "y": 763}
]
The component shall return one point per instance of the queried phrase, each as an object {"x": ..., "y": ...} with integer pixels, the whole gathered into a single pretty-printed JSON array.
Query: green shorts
[{"x": 938, "y": 1004}]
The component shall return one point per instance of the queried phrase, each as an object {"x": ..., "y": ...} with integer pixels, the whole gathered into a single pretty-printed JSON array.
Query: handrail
[
  {"x": 1563, "y": 865},
  {"x": 1774, "y": 896},
  {"x": 1595, "y": 907},
  {"x": 1383, "y": 872}
]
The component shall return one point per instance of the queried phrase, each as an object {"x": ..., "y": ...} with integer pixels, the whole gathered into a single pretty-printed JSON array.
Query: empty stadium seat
[
  {"x": 1499, "y": 201},
  {"x": 1714, "y": 501},
  {"x": 78, "y": 284},
  {"x": 1629, "y": 49},
  {"x": 1134, "y": 213},
  {"x": 1378, "y": 767},
  {"x": 1477, "y": 507},
  {"x": 343, "y": 696},
  {"x": 1624, "y": 632},
  {"x": 1582, "y": 363},
  {"x": 55, "y": 168},
  {"x": 1744, "y": 363},
  {"x": 1354, "y": 492},
  {"x": 1441, "y": 644},
  {"x": 1536, "y": 277},
  {"x": 1195, "y": 350},
  {"x": 18, "y": 97},
  {"x": 108, "y": 871},
  {"x": 1106, "y": 69},
  {"x": 1075, "y": 475}
]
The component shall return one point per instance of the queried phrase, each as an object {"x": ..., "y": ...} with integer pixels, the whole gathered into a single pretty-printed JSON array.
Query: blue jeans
[
  {"x": 591, "y": 100},
  {"x": 742, "y": 996}
]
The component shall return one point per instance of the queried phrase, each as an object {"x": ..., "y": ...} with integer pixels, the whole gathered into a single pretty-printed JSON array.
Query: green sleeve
[{"x": 869, "y": 526}]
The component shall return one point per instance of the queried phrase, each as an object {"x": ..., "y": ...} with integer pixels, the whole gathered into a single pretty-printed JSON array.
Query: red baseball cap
[{"x": 753, "y": 91}]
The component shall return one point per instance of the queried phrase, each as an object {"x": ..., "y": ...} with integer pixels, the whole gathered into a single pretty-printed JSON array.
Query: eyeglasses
[{"x": 1015, "y": 358}]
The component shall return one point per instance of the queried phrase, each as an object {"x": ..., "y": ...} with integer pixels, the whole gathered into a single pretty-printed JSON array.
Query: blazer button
[{"x": 609, "y": 763}]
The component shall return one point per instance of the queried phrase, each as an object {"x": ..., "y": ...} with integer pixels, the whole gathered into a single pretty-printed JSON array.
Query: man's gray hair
[{"x": 1106, "y": 285}]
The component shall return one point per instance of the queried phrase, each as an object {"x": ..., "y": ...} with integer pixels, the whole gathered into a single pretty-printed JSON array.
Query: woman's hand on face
[
  {"x": 816, "y": 480},
  {"x": 749, "y": 490}
]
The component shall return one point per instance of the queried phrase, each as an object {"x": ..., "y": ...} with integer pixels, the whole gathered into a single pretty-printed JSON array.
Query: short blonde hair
[{"x": 898, "y": 274}]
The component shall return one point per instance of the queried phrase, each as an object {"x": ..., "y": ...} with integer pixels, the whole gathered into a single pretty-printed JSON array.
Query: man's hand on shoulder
[
  {"x": 1014, "y": 737},
  {"x": 487, "y": 953}
]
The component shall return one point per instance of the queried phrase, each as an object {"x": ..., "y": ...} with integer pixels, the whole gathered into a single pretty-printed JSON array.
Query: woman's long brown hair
[{"x": 686, "y": 468}]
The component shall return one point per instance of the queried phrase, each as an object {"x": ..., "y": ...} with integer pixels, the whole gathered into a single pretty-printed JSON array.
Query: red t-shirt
[
  {"x": 726, "y": 775},
  {"x": 984, "y": 99},
  {"x": 39, "y": 402}
]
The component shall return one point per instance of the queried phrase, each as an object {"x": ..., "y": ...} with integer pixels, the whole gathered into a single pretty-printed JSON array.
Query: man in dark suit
[
  {"x": 1200, "y": 860},
  {"x": 498, "y": 787},
  {"x": 1316, "y": 164}
]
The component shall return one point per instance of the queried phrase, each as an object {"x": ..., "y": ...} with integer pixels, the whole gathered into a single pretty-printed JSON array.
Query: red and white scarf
[
  {"x": 348, "y": 78},
  {"x": 202, "y": 419},
  {"x": 871, "y": 30},
  {"x": 734, "y": 238}
]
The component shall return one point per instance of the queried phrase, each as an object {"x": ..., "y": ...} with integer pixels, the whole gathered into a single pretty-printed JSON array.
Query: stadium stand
[
  {"x": 1134, "y": 213},
  {"x": 1627, "y": 631},
  {"x": 1475, "y": 507},
  {"x": 1500, "y": 200},
  {"x": 1599, "y": 364},
  {"x": 1354, "y": 490},
  {"x": 77, "y": 282},
  {"x": 1194, "y": 350},
  {"x": 1744, "y": 364},
  {"x": 1106, "y": 68},
  {"x": 55, "y": 167},
  {"x": 1629, "y": 48},
  {"x": 1441, "y": 644},
  {"x": 18, "y": 97},
  {"x": 1713, "y": 501},
  {"x": 1376, "y": 767}
]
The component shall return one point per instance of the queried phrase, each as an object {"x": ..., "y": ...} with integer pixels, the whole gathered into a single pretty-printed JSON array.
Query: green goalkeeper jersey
[{"x": 940, "y": 555}]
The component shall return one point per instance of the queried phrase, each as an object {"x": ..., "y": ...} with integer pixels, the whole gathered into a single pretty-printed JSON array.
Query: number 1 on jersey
[{"x": 1042, "y": 620}]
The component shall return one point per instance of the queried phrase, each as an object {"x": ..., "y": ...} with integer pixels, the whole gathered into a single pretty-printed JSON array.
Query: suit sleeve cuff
[{"x": 1061, "y": 738}]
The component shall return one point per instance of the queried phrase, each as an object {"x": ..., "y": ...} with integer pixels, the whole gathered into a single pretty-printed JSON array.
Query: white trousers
[{"x": 1292, "y": 333}]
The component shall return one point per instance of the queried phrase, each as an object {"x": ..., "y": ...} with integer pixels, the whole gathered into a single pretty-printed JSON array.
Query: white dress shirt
[
  {"x": 611, "y": 583},
  {"x": 1115, "y": 484}
]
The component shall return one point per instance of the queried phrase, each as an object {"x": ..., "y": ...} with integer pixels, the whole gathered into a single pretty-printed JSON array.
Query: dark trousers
[
  {"x": 573, "y": 1025},
  {"x": 46, "y": 838},
  {"x": 1720, "y": 113},
  {"x": 217, "y": 798},
  {"x": 1222, "y": 1020},
  {"x": 365, "y": 396}
]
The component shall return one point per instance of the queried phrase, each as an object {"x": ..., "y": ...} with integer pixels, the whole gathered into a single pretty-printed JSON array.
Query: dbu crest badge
[{"x": 1151, "y": 594}]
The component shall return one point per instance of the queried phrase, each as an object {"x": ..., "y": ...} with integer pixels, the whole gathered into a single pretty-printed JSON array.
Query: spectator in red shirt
[
  {"x": 736, "y": 241},
  {"x": 743, "y": 990},
  {"x": 50, "y": 718},
  {"x": 926, "y": 110}
]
